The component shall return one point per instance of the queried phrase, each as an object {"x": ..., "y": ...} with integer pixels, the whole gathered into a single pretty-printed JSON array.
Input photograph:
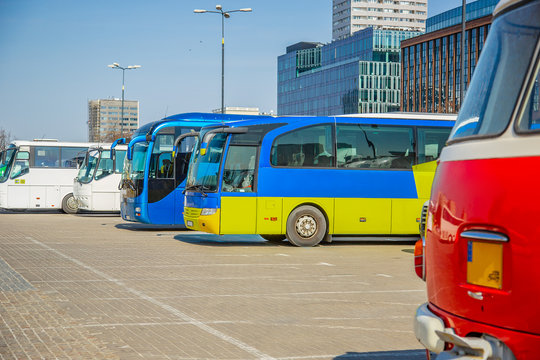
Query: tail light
[
  {"x": 419, "y": 262},
  {"x": 419, "y": 247}
]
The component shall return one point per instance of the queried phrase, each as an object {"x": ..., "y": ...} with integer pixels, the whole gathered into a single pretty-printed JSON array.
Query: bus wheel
[
  {"x": 69, "y": 204},
  {"x": 306, "y": 226},
  {"x": 274, "y": 238}
]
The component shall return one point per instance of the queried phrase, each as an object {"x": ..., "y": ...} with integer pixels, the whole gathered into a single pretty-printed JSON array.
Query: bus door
[
  {"x": 238, "y": 196},
  {"x": 161, "y": 181},
  {"x": 19, "y": 194},
  {"x": 182, "y": 155}
]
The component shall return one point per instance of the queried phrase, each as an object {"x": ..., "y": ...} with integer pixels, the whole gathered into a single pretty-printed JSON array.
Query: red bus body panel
[{"x": 495, "y": 194}]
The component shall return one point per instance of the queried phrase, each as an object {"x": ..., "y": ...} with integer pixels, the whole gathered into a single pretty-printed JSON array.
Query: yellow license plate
[{"x": 485, "y": 264}]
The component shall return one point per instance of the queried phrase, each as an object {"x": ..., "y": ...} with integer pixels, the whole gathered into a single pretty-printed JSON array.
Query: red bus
[{"x": 480, "y": 252}]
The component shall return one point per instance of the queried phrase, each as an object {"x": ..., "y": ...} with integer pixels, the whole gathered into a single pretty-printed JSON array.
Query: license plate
[
  {"x": 189, "y": 223},
  {"x": 485, "y": 264}
]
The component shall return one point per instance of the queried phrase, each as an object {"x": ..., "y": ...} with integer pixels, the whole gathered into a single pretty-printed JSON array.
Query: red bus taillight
[{"x": 419, "y": 263}]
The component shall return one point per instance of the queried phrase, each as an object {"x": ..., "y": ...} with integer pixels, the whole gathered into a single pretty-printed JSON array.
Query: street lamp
[
  {"x": 224, "y": 14},
  {"x": 130, "y": 67}
]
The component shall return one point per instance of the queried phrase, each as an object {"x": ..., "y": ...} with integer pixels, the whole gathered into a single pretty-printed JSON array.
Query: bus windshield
[
  {"x": 6, "y": 161},
  {"x": 136, "y": 170},
  {"x": 87, "y": 170},
  {"x": 204, "y": 169},
  {"x": 105, "y": 165},
  {"x": 499, "y": 75}
]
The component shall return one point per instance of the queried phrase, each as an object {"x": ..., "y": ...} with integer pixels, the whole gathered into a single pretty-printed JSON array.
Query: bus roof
[
  {"x": 409, "y": 118},
  {"x": 107, "y": 146},
  {"x": 209, "y": 118},
  {"x": 406, "y": 115},
  {"x": 17, "y": 143},
  {"x": 505, "y": 4}
]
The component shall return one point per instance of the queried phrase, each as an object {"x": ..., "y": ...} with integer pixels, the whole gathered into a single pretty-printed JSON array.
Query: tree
[
  {"x": 5, "y": 138},
  {"x": 110, "y": 136}
]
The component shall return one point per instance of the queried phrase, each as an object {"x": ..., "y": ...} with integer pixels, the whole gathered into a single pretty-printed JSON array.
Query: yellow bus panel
[
  {"x": 269, "y": 215},
  {"x": 238, "y": 215},
  {"x": 405, "y": 213},
  {"x": 362, "y": 216}
]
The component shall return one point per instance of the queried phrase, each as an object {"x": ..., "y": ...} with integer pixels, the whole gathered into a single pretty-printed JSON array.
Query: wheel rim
[
  {"x": 306, "y": 226},
  {"x": 72, "y": 203}
]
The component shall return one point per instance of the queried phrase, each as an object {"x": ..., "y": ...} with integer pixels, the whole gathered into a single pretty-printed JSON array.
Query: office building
[
  {"x": 350, "y": 16},
  {"x": 431, "y": 63},
  {"x": 357, "y": 74},
  {"x": 104, "y": 122}
]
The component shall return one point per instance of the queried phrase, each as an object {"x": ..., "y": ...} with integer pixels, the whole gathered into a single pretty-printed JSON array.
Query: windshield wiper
[{"x": 198, "y": 187}]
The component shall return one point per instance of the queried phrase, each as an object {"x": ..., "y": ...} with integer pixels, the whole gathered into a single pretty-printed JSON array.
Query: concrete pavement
[{"x": 95, "y": 287}]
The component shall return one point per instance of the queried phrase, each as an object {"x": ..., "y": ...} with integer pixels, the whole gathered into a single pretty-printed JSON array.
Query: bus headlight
[{"x": 208, "y": 211}]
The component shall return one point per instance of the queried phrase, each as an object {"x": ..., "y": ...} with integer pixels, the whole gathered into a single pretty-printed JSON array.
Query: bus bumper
[
  {"x": 83, "y": 201},
  {"x": 207, "y": 221},
  {"x": 491, "y": 342}
]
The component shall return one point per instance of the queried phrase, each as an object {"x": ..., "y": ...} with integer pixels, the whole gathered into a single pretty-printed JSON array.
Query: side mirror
[{"x": 118, "y": 142}]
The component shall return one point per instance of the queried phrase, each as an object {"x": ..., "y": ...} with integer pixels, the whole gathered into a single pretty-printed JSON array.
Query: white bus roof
[
  {"x": 52, "y": 143},
  {"x": 504, "y": 4},
  {"x": 406, "y": 115}
]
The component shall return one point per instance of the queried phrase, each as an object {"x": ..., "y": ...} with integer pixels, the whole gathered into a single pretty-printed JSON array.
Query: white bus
[
  {"x": 96, "y": 186},
  {"x": 39, "y": 174}
]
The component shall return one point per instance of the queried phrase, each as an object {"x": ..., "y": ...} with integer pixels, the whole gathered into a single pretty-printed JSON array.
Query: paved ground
[{"x": 94, "y": 287}]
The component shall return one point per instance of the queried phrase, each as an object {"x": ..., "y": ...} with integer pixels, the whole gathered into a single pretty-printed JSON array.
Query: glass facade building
[
  {"x": 474, "y": 10},
  {"x": 431, "y": 63},
  {"x": 360, "y": 73}
]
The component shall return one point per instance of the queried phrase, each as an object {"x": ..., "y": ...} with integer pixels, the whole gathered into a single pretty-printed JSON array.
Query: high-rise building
[
  {"x": 350, "y": 16},
  {"x": 431, "y": 63},
  {"x": 357, "y": 74},
  {"x": 104, "y": 119}
]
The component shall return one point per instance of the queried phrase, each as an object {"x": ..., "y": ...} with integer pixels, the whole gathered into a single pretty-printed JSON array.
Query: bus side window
[
  {"x": 305, "y": 147},
  {"x": 22, "y": 164},
  {"x": 70, "y": 156},
  {"x": 374, "y": 147},
  {"x": 46, "y": 156},
  {"x": 430, "y": 143},
  {"x": 181, "y": 166},
  {"x": 239, "y": 172},
  {"x": 165, "y": 166}
]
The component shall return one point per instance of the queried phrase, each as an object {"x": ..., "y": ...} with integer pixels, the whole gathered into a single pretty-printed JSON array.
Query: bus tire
[
  {"x": 69, "y": 204},
  {"x": 306, "y": 226},
  {"x": 274, "y": 238}
]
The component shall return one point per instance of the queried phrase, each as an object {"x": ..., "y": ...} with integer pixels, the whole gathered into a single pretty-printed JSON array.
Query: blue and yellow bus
[
  {"x": 154, "y": 174},
  {"x": 311, "y": 179}
]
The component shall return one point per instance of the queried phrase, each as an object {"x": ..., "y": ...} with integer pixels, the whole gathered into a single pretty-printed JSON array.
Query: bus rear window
[{"x": 499, "y": 76}]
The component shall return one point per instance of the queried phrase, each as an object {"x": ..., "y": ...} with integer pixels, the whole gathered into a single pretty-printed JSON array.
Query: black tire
[
  {"x": 306, "y": 226},
  {"x": 69, "y": 204},
  {"x": 274, "y": 238}
]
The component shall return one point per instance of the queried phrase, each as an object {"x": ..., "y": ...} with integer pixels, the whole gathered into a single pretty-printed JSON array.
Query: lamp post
[
  {"x": 130, "y": 67},
  {"x": 224, "y": 14}
]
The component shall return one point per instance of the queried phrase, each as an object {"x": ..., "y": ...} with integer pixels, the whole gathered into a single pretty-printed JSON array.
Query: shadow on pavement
[
  {"x": 31, "y": 211},
  {"x": 386, "y": 355},
  {"x": 97, "y": 214},
  {"x": 148, "y": 227},
  {"x": 226, "y": 240}
]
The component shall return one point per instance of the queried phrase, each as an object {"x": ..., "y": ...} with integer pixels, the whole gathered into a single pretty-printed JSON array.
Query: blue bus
[
  {"x": 310, "y": 179},
  {"x": 155, "y": 168}
]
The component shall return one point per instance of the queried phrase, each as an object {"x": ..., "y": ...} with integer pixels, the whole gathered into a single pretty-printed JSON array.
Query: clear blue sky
[{"x": 54, "y": 56}]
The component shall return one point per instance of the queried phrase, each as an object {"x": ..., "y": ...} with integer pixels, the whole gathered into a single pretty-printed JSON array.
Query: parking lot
[{"x": 96, "y": 287}]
